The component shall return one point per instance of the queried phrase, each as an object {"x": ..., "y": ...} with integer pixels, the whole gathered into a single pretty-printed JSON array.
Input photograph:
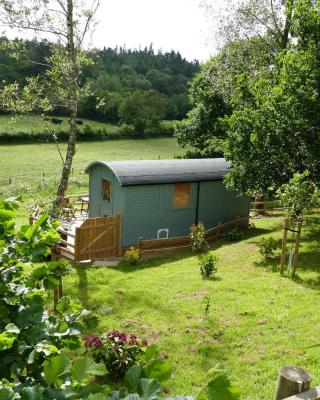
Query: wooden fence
[
  {"x": 95, "y": 239},
  {"x": 266, "y": 207},
  {"x": 155, "y": 247},
  {"x": 272, "y": 207}
]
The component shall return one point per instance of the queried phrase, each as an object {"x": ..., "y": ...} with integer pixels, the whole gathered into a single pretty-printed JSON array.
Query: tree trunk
[
  {"x": 287, "y": 26},
  {"x": 72, "y": 85}
]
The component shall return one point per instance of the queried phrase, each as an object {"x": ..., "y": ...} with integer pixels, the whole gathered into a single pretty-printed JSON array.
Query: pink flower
[
  {"x": 133, "y": 339},
  {"x": 93, "y": 341}
]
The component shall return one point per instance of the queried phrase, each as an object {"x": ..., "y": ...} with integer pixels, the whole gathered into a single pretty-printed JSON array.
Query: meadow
[
  {"x": 256, "y": 322},
  {"x": 37, "y": 124},
  {"x": 29, "y": 162}
]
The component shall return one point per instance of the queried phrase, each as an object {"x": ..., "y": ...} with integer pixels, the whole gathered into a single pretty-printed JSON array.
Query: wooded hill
[{"x": 115, "y": 75}]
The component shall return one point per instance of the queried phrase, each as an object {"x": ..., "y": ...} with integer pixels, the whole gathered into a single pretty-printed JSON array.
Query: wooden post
[
  {"x": 60, "y": 288},
  {"x": 292, "y": 380},
  {"x": 218, "y": 230},
  {"x": 140, "y": 244},
  {"x": 55, "y": 298},
  {"x": 284, "y": 246},
  {"x": 296, "y": 249},
  {"x": 118, "y": 236},
  {"x": 237, "y": 223}
]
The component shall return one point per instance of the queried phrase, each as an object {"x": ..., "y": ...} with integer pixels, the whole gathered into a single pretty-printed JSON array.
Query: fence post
[
  {"x": 292, "y": 380},
  {"x": 140, "y": 244},
  {"x": 296, "y": 249},
  {"x": 10, "y": 181},
  {"x": 284, "y": 246},
  {"x": 218, "y": 230},
  {"x": 238, "y": 223}
]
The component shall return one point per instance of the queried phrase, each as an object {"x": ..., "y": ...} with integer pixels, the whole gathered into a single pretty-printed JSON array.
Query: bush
[
  {"x": 132, "y": 255},
  {"x": 117, "y": 350},
  {"x": 197, "y": 234},
  {"x": 267, "y": 246},
  {"x": 233, "y": 235},
  {"x": 208, "y": 265}
]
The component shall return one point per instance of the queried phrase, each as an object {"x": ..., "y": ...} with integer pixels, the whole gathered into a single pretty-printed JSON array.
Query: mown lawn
[{"x": 257, "y": 320}]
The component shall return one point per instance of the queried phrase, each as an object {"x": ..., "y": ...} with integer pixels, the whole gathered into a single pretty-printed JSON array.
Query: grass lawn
[
  {"x": 27, "y": 162},
  {"x": 257, "y": 320}
]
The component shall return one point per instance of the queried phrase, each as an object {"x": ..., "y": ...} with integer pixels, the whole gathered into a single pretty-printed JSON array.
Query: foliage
[
  {"x": 113, "y": 74},
  {"x": 32, "y": 340},
  {"x": 267, "y": 246},
  {"x": 118, "y": 351},
  {"x": 143, "y": 110},
  {"x": 267, "y": 74},
  {"x": 299, "y": 194},
  {"x": 198, "y": 240},
  {"x": 208, "y": 265},
  {"x": 233, "y": 235},
  {"x": 132, "y": 255}
]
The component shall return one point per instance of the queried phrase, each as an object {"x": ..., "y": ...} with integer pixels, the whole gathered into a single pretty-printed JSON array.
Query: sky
[{"x": 168, "y": 24}]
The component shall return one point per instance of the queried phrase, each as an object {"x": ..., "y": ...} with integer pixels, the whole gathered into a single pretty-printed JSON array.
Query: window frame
[
  {"x": 181, "y": 208},
  {"x": 103, "y": 181}
]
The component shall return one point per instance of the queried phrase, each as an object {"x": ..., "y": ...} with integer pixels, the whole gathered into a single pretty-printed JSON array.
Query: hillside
[{"x": 114, "y": 76}]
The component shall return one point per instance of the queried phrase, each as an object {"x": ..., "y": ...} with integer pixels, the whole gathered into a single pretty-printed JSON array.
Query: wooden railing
[
  {"x": 67, "y": 245},
  {"x": 164, "y": 246}
]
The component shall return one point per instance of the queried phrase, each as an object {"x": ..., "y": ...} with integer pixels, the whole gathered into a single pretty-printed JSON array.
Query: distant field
[
  {"x": 37, "y": 124},
  {"x": 29, "y": 161}
]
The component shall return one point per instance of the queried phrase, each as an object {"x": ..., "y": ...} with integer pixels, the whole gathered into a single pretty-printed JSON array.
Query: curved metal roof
[{"x": 146, "y": 172}]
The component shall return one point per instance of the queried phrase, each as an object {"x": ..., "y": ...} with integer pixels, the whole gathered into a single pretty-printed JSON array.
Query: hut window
[
  {"x": 106, "y": 190},
  {"x": 181, "y": 195}
]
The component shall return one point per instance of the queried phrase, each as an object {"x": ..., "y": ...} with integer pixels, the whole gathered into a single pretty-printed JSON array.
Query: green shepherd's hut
[{"x": 159, "y": 199}]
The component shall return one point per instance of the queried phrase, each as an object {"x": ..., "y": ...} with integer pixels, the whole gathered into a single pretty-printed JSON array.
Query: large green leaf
[
  {"x": 132, "y": 377},
  {"x": 158, "y": 369},
  {"x": 32, "y": 393},
  {"x": 220, "y": 388},
  {"x": 149, "y": 389},
  {"x": 39, "y": 273},
  {"x": 6, "y": 340},
  {"x": 51, "y": 282},
  {"x": 151, "y": 352},
  {"x": 6, "y": 394},
  {"x": 55, "y": 367},
  {"x": 84, "y": 366}
]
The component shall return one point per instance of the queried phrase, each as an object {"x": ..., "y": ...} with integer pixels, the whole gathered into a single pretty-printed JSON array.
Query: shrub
[
  {"x": 267, "y": 246},
  {"x": 117, "y": 350},
  {"x": 132, "y": 255},
  {"x": 233, "y": 235},
  {"x": 208, "y": 265},
  {"x": 197, "y": 234}
]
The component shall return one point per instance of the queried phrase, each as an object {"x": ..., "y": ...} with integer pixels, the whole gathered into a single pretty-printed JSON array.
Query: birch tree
[{"x": 67, "y": 23}]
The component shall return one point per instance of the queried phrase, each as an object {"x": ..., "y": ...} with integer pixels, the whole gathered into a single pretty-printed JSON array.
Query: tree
[
  {"x": 143, "y": 109},
  {"x": 68, "y": 22},
  {"x": 277, "y": 134},
  {"x": 252, "y": 34}
]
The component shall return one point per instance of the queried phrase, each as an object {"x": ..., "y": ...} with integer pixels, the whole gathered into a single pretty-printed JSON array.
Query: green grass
[
  {"x": 27, "y": 162},
  {"x": 257, "y": 322},
  {"x": 36, "y": 124}
]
